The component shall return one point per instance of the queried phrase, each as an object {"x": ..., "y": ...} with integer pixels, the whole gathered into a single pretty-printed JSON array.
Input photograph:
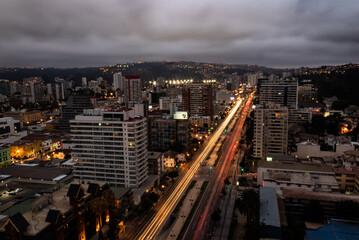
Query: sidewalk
[{"x": 184, "y": 210}]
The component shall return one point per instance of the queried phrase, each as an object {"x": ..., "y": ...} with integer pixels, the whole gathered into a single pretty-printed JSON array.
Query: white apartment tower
[
  {"x": 110, "y": 146},
  {"x": 270, "y": 130},
  {"x": 118, "y": 81}
]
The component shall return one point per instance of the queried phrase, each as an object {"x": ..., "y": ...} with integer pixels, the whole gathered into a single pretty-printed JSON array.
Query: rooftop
[
  {"x": 35, "y": 172},
  {"x": 295, "y": 166},
  {"x": 39, "y": 220},
  {"x": 319, "y": 196},
  {"x": 269, "y": 212},
  {"x": 335, "y": 229}
]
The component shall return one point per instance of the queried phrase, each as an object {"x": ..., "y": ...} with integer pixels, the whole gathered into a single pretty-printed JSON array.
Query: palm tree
[
  {"x": 249, "y": 204},
  {"x": 97, "y": 206},
  {"x": 109, "y": 199}
]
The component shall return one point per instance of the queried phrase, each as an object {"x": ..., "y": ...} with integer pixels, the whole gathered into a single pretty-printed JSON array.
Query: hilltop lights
[{"x": 179, "y": 82}]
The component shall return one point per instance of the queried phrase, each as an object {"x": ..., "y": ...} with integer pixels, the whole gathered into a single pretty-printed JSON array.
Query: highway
[
  {"x": 152, "y": 228},
  {"x": 200, "y": 222}
]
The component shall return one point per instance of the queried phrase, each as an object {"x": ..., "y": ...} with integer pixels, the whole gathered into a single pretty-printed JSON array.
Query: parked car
[
  {"x": 12, "y": 193},
  {"x": 18, "y": 190}
]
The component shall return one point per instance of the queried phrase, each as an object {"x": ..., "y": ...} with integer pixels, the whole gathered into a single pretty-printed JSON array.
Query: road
[
  {"x": 201, "y": 221},
  {"x": 152, "y": 228}
]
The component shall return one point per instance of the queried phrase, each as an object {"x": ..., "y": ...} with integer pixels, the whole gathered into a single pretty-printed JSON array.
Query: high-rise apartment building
[
  {"x": 282, "y": 91},
  {"x": 270, "y": 130},
  {"x": 133, "y": 87},
  {"x": 163, "y": 131},
  {"x": 118, "y": 81},
  {"x": 84, "y": 82},
  {"x": 129, "y": 88},
  {"x": 75, "y": 105},
  {"x": 110, "y": 146},
  {"x": 197, "y": 99}
]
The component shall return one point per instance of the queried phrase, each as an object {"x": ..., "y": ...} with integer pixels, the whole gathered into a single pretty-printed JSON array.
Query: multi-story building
[
  {"x": 84, "y": 82},
  {"x": 283, "y": 92},
  {"x": 63, "y": 214},
  {"x": 75, "y": 105},
  {"x": 129, "y": 88},
  {"x": 270, "y": 130},
  {"x": 118, "y": 81},
  {"x": 4, "y": 155},
  {"x": 296, "y": 175},
  {"x": 24, "y": 116},
  {"x": 8, "y": 126},
  {"x": 110, "y": 146},
  {"x": 155, "y": 163},
  {"x": 24, "y": 150},
  {"x": 4, "y": 87},
  {"x": 346, "y": 178},
  {"x": 163, "y": 131},
  {"x": 224, "y": 95},
  {"x": 14, "y": 87},
  {"x": 197, "y": 99}
]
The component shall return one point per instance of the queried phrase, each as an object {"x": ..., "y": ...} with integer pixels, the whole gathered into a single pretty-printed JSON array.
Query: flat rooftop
[
  {"x": 295, "y": 166},
  {"x": 268, "y": 211},
  {"x": 34, "y": 172},
  {"x": 320, "y": 196}
]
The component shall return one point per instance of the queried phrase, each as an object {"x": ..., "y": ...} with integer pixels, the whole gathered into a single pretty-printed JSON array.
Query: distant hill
[{"x": 341, "y": 81}]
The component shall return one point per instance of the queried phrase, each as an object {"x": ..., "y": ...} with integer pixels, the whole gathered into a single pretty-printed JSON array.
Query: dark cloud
[{"x": 273, "y": 33}]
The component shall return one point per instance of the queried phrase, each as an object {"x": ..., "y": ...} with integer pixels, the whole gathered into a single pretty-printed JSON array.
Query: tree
[
  {"x": 97, "y": 206},
  {"x": 146, "y": 203},
  {"x": 173, "y": 174},
  {"x": 109, "y": 199},
  {"x": 177, "y": 147},
  {"x": 153, "y": 197},
  {"x": 254, "y": 230},
  {"x": 216, "y": 215},
  {"x": 249, "y": 204},
  {"x": 226, "y": 181},
  {"x": 224, "y": 191}
]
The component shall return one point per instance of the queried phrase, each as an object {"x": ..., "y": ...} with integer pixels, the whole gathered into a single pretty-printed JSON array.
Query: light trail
[{"x": 160, "y": 217}]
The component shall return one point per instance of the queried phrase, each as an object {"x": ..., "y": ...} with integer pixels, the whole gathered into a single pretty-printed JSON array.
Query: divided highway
[{"x": 152, "y": 228}]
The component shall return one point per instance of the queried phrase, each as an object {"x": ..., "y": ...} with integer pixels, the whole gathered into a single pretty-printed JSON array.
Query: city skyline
[{"x": 273, "y": 34}]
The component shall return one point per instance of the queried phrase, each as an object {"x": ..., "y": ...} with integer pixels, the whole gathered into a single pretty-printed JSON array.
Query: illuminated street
[
  {"x": 200, "y": 221},
  {"x": 161, "y": 216}
]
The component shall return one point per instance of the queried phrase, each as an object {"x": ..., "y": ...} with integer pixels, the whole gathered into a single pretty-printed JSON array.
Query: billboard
[{"x": 180, "y": 115}]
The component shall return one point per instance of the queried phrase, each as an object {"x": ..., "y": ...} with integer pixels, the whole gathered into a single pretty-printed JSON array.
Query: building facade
[
  {"x": 270, "y": 130},
  {"x": 197, "y": 99},
  {"x": 283, "y": 92},
  {"x": 110, "y": 146}
]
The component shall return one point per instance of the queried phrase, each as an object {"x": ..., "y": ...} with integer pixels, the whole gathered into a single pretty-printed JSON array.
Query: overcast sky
[{"x": 71, "y": 33}]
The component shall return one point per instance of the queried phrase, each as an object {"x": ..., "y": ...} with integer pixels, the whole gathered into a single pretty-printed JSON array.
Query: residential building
[
  {"x": 296, "y": 175},
  {"x": 283, "y": 92},
  {"x": 224, "y": 95},
  {"x": 197, "y": 99},
  {"x": 163, "y": 131},
  {"x": 75, "y": 105},
  {"x": 8, "y": 126},
  {"x": 270, "y": 130},
  {"x": 25, "y": 150},
  {"x": 155, "y": 163},
  {"x": 200, "y": 121},
  {"x": 24, "y": 116},
  {"x": 5, "y": 158},
  {"x": 110, "y": 146},
  {"x": 63, "y": 214},
  {"x": 169, "y": 159},
  {"x": 346, "y": 178}
]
